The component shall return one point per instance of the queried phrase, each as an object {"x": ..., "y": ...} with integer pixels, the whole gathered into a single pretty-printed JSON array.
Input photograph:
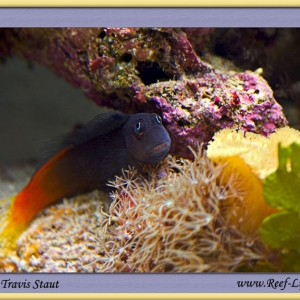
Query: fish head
[{"x": 147, "y": 140}]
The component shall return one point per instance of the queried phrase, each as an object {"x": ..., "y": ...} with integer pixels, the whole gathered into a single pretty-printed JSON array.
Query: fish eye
[
  {"x": 158, "y": 119},
  {"x": 138, "y": 128}
]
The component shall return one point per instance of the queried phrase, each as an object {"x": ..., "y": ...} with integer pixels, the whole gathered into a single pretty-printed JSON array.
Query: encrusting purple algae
[{"x": 153, "y": 70}]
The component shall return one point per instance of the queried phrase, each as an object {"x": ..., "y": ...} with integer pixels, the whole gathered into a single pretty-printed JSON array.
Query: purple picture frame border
[{"x": 149, "y": 17}]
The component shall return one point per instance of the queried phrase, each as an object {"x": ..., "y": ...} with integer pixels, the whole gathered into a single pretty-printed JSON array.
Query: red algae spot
[
  {"x": 139, "y": 97},
  {"x": 100, "y": 62},
  {"x": 235, "y": 99},
  {"x": 217, "y": 100}
]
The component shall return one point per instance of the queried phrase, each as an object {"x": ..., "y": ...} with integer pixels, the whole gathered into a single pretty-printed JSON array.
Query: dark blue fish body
[{"x": 111, "y": 142}]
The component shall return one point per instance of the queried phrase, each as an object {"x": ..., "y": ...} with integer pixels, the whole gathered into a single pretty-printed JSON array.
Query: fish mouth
[{"x": 161, "y": 148}]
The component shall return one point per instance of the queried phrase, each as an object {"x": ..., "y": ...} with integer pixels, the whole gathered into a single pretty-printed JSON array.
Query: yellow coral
[
  {"x": 259, "y": 152},
  {"x": 251, "y": 157}
]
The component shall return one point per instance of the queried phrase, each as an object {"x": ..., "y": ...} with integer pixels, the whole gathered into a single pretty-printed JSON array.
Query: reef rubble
[{"x": 153, "y": 70}]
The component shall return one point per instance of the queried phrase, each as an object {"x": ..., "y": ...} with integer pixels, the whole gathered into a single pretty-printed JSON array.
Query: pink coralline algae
[
  {"x": 153, "y": 70},
  {"x": 215, "y": 101}
]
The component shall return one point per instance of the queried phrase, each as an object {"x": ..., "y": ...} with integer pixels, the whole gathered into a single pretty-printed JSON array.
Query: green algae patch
[
  {"x": 281, "y": 190},
  {"x": 290, "y": 261},
  {"x": 282, "y": 187},
  {"x": 281, "y": 230}
]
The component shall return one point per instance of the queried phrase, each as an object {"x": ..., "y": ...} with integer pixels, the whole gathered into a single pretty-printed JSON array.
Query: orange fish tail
[
  {"x": 17, "y": 216},
  {"x": 10, "y": 226},
  {"x": 17, "y": 212}
]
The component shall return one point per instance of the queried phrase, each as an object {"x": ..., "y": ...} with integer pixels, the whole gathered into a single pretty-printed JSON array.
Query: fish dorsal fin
[{"x": 99, "y": 125}]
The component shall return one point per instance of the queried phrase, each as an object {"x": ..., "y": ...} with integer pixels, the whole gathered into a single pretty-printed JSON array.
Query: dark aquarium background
[{"x": 36, "y": 105}]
